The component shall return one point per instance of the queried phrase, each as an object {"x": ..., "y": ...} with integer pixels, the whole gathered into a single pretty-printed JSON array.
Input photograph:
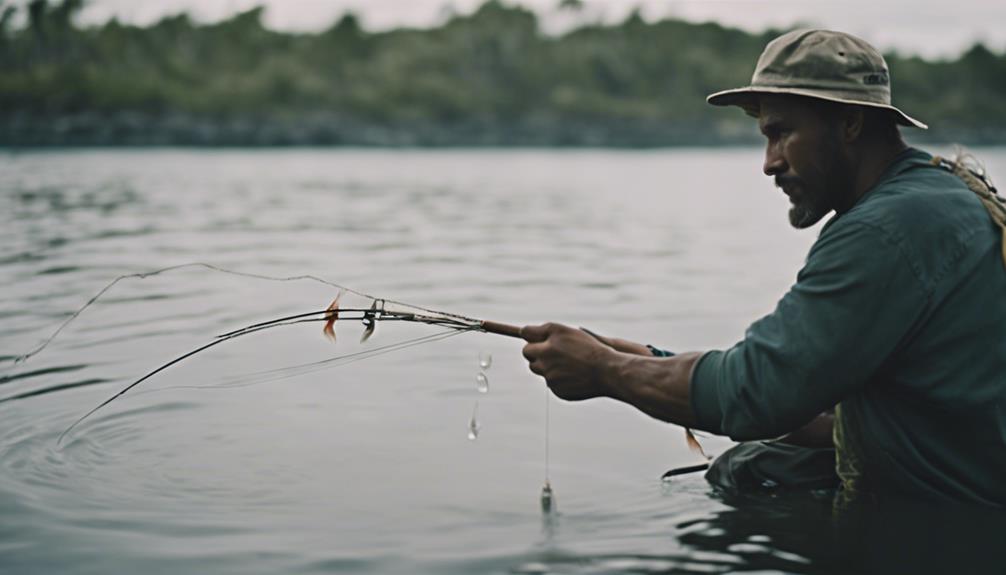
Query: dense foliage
[{"x": 488, "y": 78}]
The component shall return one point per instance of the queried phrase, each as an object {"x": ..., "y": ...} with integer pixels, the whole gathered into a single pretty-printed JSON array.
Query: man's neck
[{"x": 875, "y": 158}]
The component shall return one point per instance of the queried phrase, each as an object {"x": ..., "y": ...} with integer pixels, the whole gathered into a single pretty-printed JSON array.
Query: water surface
[{"x": 367, "y": 467}]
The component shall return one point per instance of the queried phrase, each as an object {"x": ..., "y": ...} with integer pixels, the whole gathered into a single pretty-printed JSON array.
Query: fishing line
[
  {"x": 456, "y": 323},
  {"x": 257, "y": 378},
  {"x": 378, "y": 311},
  {"x": 338, "y": 361},
  {"x": 547, "y": 430},
  {"x": 547, "y": 498},
  {"x": 143, "y": 275},
  {"x": 218, "y": 341},
  {"x": 141, "y": 380}
]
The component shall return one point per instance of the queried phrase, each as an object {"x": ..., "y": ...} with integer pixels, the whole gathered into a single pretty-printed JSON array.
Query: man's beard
[
  {"x": 808, "y": 210},
  {"x": 814, "y": 202}
]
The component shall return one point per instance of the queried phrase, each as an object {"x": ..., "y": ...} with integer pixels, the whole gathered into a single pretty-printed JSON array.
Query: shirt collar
[{"x": 908, "y": 159}]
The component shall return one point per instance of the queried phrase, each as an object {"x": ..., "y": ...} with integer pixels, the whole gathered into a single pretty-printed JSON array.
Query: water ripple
[
  {"x": 369, "y": 469},
  {"x": 53, "y": 389},
  {"x": 41, "y": 372}
]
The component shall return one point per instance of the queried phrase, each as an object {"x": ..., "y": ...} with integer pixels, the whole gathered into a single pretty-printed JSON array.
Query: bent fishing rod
[
  {"x": 381, "y": 310},
  {"x": 370, "y": 317}
]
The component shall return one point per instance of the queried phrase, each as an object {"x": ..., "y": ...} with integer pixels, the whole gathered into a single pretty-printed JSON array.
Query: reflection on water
[
  {"x": 257, "y": 457},
  {"x": 809, "y": 533}
]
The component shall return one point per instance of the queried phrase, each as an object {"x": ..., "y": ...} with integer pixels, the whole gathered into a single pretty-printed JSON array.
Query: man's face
[{"x": 805, "y": 155}]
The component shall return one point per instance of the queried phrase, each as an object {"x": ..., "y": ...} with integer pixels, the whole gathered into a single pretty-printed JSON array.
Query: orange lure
[{"x": 331, "y": 314}]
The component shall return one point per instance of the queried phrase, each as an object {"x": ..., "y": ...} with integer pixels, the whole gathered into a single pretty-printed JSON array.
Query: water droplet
[
  {"x": 482, "y": 383},
  {"x": 485, "y": 360},
  {"x": 473, "y": 424}
]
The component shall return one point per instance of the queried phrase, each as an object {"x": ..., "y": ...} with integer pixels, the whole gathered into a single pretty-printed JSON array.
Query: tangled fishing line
[{"x": 380, "y": 310}]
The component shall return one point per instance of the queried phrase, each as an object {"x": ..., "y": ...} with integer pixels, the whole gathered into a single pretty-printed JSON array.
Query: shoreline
[{"x": 129, "y": 130}]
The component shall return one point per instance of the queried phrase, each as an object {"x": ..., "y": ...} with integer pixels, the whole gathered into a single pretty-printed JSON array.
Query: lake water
[{"x": 367, "y": 467}]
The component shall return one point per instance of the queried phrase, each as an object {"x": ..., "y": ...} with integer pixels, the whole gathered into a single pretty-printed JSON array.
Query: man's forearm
[{"x": 658, "y": 386}]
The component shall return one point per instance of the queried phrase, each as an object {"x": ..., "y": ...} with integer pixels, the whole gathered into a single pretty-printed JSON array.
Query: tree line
[{"x": 491, "y": 77}]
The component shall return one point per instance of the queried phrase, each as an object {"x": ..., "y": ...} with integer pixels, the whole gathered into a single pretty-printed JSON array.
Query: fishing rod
[
  {"x": 489, "y": 327},
  {"x": 377, "y": 312},
  {"x": 381, "y": 309}
]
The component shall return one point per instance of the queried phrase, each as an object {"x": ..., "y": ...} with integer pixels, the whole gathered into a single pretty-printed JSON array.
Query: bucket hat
[{"x": 821, "y": 64}]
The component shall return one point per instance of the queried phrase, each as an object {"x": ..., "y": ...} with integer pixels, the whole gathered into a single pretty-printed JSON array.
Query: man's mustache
[{"x": 787, "y": 181}]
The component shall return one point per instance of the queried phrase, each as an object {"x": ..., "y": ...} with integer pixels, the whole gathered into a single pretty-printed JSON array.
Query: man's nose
[{"x": 775, "y": 163}]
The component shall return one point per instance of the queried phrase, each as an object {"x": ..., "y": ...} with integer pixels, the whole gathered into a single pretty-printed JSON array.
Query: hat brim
[{"x": 747, "y": 99}]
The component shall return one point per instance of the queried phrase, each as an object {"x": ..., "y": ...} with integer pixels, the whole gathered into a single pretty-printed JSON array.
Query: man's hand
[
  {"x": 573, "y": 362},
  {"x": 622, "y": 345},
  {"x": 579, "y": 365}
]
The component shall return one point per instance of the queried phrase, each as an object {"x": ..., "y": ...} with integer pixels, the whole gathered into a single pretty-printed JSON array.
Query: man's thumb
[{"x": 535, "y": 333}]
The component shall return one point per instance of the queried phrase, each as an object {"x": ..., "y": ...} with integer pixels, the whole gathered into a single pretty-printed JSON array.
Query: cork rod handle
[{"x": 501, "y": 328}]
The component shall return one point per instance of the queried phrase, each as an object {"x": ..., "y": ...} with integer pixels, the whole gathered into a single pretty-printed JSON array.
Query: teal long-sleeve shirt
[{"x": 899, "y": 318}]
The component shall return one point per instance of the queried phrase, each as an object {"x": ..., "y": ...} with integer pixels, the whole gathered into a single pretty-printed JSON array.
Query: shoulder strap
[{"x": 977, "y": 180}]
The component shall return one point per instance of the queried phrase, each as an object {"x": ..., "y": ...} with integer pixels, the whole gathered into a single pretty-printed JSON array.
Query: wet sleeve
[{"x": 853, "y": 303}]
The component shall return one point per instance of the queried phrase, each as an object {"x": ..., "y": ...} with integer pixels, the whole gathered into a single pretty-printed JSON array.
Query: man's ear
[{"x": 852, "y": 123}]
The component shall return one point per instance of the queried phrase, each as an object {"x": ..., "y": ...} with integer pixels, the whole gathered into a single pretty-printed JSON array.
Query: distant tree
[
  {"x": 489, "y": 76},
  {"x": 349, "y": 23},
  {"x": 63, "y": 15},
  {"x": 571, "y": 5},
  {"x": 7, "y": 14},
  {"x": 37, "y": 10},
  {"x": 635, "y": 17}
]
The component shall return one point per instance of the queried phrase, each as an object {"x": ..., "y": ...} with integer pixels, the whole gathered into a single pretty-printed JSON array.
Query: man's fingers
[
  {"x": 533, "y": 351},
  {"x": 610, "y": 342},
  {"x": 536, "y": 368},
  {"x": 534, "y": 333}
]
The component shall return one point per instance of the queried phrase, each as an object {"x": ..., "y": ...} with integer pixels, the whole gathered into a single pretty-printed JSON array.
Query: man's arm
[
  {"x": 657, "y": 386},
  {"x": 577, "y": 365},
  {"x": 817, "y": 433}
]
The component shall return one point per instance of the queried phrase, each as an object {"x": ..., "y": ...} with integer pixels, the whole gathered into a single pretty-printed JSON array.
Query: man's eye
[{"x": 777, "y": 132}]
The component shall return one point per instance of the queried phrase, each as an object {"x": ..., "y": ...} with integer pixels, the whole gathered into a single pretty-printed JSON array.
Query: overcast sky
[{"x": 928, "y": 27}]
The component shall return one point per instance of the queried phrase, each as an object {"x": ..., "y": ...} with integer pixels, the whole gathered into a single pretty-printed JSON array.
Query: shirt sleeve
[{"x": 854, "y": 303}]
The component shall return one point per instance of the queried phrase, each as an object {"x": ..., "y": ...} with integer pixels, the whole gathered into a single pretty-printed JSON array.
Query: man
[{"x": 897, "y": 321}]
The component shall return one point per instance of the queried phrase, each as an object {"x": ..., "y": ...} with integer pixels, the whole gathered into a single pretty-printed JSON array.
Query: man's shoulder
[
  {"x": 922, "y": 212},
  {"x": 915, "y": 199},
  {"x": 917, "y": 188}
]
